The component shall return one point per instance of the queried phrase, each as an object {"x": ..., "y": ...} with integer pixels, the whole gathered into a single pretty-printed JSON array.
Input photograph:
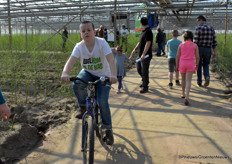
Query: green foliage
[
  {"x": 38, "y": 42},
  {"x": 224, "y": 54},
  {"x": 33, "y": 74}
]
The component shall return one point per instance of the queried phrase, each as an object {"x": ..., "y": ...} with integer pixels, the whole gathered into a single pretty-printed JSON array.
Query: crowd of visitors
[{"x": 187, "y": 58}]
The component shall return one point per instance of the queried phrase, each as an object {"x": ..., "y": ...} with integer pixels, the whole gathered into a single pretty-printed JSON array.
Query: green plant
[{"x": 224, "y": 55}]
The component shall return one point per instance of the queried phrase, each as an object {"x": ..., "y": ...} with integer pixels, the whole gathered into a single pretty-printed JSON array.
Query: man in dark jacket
[{"x": 159, "y": 41}]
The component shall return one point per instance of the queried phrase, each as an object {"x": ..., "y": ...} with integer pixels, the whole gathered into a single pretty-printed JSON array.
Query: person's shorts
[
  {"x": 186, "y": 66},
  {"x": 171, "y": 64}
]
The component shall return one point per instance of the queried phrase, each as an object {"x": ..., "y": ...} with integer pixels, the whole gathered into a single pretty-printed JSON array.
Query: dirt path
[{"x": 151, "y": 128}]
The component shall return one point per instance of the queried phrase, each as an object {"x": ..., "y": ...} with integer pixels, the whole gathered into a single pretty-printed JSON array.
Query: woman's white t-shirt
[{"x": 94, "y": 62}]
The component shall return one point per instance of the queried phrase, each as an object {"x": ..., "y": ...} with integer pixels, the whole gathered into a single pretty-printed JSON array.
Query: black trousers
[{"x": 143, "y": 70}]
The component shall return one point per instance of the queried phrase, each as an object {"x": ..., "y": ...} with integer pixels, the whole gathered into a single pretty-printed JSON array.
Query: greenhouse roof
[{"x": 176, "y": 11}]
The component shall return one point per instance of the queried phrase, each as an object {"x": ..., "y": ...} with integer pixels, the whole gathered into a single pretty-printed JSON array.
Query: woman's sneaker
[{"x": 109, "y": 138}]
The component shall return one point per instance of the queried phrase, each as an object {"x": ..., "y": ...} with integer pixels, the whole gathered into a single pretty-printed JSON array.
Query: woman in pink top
[{"x": 187, "y": 60}]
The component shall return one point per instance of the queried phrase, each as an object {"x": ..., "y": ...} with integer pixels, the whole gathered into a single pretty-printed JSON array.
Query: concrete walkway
[{"x": 152, "y": 128}]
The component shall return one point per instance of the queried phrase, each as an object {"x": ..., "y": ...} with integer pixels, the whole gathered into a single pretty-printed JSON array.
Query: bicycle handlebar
[
  {"x": 102, "y": 79},
  {"x": 77, "y": 78}
]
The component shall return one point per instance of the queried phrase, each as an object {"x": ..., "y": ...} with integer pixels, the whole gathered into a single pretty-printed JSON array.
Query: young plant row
[{"x": 29, "y": 73}]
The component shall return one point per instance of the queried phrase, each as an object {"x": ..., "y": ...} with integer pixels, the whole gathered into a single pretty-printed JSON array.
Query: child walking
[
  {"x": 120, "y": 57},
  {"x": 96, "y": 60},
  {"x": 172, "y": 47},
  {"x": 187, "y": 61}
]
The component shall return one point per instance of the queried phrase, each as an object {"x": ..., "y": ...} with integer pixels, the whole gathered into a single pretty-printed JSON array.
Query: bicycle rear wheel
[{"x": 88, "y": 150}]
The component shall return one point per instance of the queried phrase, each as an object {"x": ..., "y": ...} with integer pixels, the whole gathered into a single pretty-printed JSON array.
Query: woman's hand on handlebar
[{"x": 65, "y": 78}]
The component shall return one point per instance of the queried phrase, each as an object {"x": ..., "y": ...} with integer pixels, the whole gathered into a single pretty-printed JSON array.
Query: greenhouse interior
[{"x": 33, "y": 53}]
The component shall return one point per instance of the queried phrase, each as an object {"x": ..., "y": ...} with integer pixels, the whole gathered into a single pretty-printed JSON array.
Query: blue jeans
[
  {"x": 160, "y": 48},
  {"x": 205, "y": 56},
  {"x": 119, "y": 82},
  {"x": 164, "y": 44},
  {"x": 102, "y": 93}
]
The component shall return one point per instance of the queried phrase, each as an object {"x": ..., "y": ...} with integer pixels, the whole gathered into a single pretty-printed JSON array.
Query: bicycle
[{"x": 91, "y": 119}]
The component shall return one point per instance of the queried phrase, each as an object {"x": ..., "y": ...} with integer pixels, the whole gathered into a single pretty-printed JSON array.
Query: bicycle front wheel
[{"x": 88, "y": 152}]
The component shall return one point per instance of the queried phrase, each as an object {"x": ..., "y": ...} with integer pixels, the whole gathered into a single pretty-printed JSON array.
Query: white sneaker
[{"x": 118, "y": 91}]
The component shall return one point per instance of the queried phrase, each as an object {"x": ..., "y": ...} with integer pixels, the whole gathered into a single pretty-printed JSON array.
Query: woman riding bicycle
[{"x": 96, "y": 60}]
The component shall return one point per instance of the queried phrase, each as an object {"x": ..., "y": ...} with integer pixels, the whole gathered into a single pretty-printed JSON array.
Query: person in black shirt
[
  {"x": 64, "y": 36},
  {"x": 145, "y": 48}
]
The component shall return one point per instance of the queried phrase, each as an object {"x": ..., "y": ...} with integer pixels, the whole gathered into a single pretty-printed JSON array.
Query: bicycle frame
[
  {"x": 91, "y": 106},
  {"x": 91, "y": 110}
]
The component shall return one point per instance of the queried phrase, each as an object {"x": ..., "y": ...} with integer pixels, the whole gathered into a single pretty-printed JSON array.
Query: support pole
[
  {"x": 9, "y": 24},
  {"x": 128, "y": 21},
  {"x": 25, "y": 26},
  {"x": 226, "y": 25},
  {"x": 115, "y": 23}
]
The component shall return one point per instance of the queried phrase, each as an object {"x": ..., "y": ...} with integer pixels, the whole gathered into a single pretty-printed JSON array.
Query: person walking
[
  {"x": 164, "y": 42},
  {"x": 172, "y": 47},
  {"x": 205, "y": 38},
  {"x": 160, "y": 41},
  {"x": 187, "y": 61},
  {"x": 96, "y": 60},
  {"x": 145, "y": 48},
  {"x": 64, "y": 36},
  {"x": 124, "y": 35},
  {"x": 120, "y": 58}
]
